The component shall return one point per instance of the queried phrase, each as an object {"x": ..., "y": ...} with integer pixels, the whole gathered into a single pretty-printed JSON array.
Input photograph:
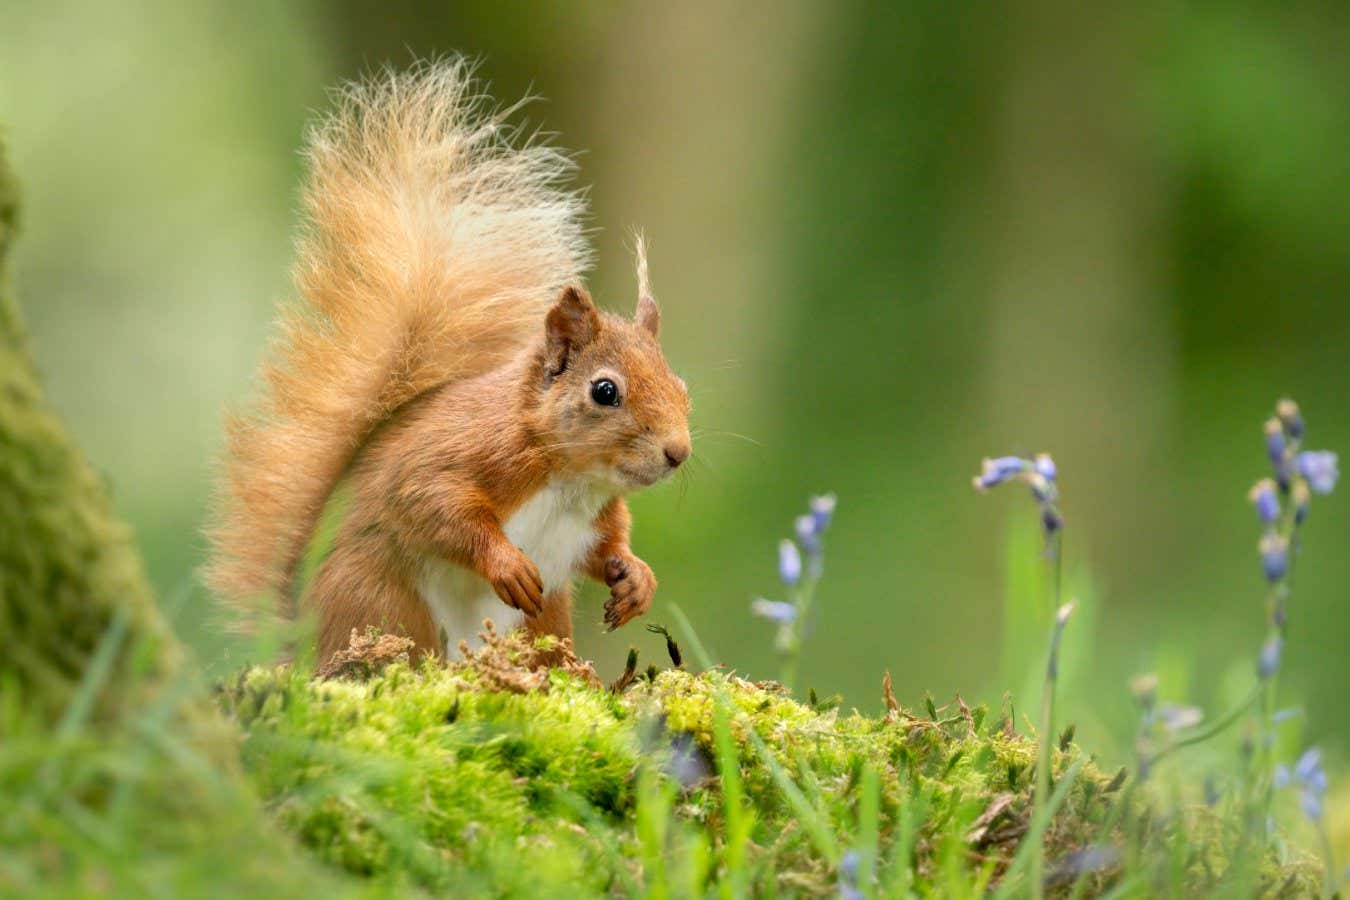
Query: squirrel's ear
[
  {"x": 572, "y": 323},
  {"x": 647, "y": 315}
]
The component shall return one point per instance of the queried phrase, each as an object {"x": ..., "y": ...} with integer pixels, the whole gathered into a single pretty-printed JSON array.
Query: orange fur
[{"x": 436, "y": 358}]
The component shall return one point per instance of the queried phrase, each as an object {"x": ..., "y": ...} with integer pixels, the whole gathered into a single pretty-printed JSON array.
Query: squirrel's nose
[{"x": 677, "y": 453}]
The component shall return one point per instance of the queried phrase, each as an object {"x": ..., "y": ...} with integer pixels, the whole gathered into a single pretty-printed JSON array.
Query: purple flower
[
  {"x": 1275, "y": 444},
  {"x": 1311, "y": 804},
  {"x": 1274, "y": 557},
  {"x": 1280, "y": 716},
  {"x": 774, "y": 611},
  {"x": 1311, "y": 777},
  {"x": 1262, "y": 495},
  {"x": 848, "y": 877},
  {"x": 997, "y": 471},
  {"x": 1319, "y": 467},
  {"x": 808, "y": 534},
  {"x": 789, "y": 563},
  {"x": 1269, "y": 661},
  {"x": 822, "y": 511},
  {"x": 1290, "y": 418},
  {"x": 1051, "y": 520},
  {"x": 1045, "y": 466},
  {"x": 1309, "y": 770}
]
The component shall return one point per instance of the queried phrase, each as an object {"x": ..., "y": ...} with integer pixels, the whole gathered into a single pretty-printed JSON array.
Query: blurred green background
[{"x": 889, "y": 239}]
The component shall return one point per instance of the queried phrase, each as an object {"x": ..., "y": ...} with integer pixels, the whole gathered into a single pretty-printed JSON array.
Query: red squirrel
[{"x": 445, "y": 360}]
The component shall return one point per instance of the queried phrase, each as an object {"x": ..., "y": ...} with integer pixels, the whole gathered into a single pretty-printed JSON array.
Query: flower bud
[
  {"x": 997, "y": 471},
  {"x": 1274, "y": 557},
  {"x": 789, "y": 563},
  {"x": 1263, "y": 497}
]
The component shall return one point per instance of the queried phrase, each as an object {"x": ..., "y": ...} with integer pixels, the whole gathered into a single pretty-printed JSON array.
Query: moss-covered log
[{"x": 67, "y": 565}]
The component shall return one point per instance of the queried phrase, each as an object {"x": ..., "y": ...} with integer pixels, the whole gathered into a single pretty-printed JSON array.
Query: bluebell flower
[
  {"x": 1311, "y": 804},
  {"x": 1309, "y": 775},
  {"x": 1274, "y": 557},
  {"x": 848, "y": 876},
  {"x": 996, "y": 471},
  {"x": 822, "y": 511},
  {"x": 1263, "y": 497},
  {"x": 789, "y": 563},
  {"x": 1309, "y": 770},
  {"x": 1280, "y": 716},
  {"x": 1302, "y": 497},
  {"x": 1292, "y": 420},
  {"x": 1319, "y": 468},
  {"x": 808, "y": 534},
  {"x": 1051, "y": 520},
  {"x": 1178, "y": 718},
  {"x": 1045, "y": 466},
  {"x": 1275, "y": 445},
  {"x": 774, "y": 610},
  {"x": 1092, "y": 858},
  {"x": 1269, "y": 661}
]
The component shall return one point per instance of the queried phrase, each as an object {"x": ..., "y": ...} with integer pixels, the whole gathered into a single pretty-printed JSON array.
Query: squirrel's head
[{"x": 609, "y": 403}]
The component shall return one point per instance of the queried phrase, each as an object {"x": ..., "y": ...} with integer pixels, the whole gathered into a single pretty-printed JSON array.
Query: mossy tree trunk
[{"x": 68, "y": 567}]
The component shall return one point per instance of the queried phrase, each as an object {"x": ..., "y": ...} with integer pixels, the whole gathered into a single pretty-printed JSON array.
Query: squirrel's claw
[{"x": 631, "y": 587}]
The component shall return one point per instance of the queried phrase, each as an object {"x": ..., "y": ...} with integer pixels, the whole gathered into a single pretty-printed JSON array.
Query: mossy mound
[{"x": 464, "y": 778}]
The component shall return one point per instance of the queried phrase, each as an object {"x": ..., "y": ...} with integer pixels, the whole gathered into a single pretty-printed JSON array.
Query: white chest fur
[{"x": 555, "y": 528}]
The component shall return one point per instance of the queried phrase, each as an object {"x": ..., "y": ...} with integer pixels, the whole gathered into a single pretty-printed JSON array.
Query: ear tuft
[
  {"x": 648, "y": 316},
  {"x": 571, "y": 324}
]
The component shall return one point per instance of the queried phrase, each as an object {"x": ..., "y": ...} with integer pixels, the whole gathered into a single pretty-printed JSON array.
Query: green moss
[{"x": 434, "y": 778}]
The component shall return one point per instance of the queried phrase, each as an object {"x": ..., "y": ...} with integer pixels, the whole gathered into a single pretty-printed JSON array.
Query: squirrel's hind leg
[
  {"x": 355, "y": 591},
  {"x": 556, "y": 616}
]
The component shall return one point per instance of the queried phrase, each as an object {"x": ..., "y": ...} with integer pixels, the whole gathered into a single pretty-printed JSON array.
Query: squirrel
[{"x": 445, "y": 361}]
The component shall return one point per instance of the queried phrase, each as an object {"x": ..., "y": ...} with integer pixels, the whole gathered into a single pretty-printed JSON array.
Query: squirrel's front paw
[
  {"x": 516, "y": 581},
  {"x": 631, "y": 588}
]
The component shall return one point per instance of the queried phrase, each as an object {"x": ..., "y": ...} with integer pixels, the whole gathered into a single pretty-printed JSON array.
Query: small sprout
[
  {"x": 651, "y": 673},
  {"x": 629, "y": 672},
  {"x": 1267, "y": 503},
  {"x": 1066, "y": 738},
  {"x": 672, "y": 648},
  {"x": 1117, "y": 782},
  {"x": 789, "y": 563},
  {"x": 1269, "y": 661},
  {"x": 1274, "y": 557},
  {"x": 930, "y": 706},
  {"x": 1319, "y": 467}
]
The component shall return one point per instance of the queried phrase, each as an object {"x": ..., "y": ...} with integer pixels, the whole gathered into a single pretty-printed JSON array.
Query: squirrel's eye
[{"x": 605, "y": 392}]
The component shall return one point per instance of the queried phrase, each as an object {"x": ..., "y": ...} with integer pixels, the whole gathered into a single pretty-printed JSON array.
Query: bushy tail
[{"x": 431, "y": 250}]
